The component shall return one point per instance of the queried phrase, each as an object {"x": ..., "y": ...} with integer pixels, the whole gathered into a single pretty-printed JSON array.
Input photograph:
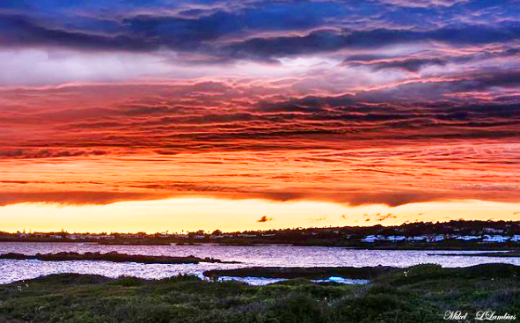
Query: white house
[
  {"x": 468, "y": 238},
  {"x": 396, "y": 238},
  {"x": 493, "y": 230},
  {"x": 437, "y": 238},
  {"x": 417, "y": 238},
  {"x": 372, "y": 238},
  {"x": 495, "y": 239}
]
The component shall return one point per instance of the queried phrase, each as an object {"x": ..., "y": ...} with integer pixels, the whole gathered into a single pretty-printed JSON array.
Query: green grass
[{"x": 416, "y": 294}]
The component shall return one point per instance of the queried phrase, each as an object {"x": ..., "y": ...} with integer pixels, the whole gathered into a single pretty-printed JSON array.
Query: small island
[{"x": 113, "y": 257}]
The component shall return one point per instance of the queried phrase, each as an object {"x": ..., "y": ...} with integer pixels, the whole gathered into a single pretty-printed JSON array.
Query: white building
[
  {"x": 396, "y": 238},
  {"x": 493, "y": 230},
  {"x": 468, "y": 238},
  {"x": 373, "y": 238},
  {"x": 437, "y": 238},
  {"x": 417, "y": 238},
  {"x": 495, "y": 239}
]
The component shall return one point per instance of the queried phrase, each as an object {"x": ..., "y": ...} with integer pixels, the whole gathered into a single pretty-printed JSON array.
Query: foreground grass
[{"x": 417, "y": 294}]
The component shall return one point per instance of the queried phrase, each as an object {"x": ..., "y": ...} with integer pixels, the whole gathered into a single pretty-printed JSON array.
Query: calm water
[{"x": 269, "y": 255}]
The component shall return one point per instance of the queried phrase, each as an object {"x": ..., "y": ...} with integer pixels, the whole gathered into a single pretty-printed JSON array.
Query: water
[
  {"x": 260, "y": 281},
  {"x": 266, "y": 256}
]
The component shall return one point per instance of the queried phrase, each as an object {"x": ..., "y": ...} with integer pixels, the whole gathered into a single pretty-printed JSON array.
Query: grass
[
  {"x": 112, "y": 256},
  {"x": 417, "y": 294}
]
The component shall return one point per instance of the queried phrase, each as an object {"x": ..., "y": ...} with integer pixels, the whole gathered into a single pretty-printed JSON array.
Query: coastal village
[{"x": 475, "y": 232}]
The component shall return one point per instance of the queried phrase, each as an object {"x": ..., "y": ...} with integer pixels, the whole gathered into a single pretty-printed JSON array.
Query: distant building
[
  {"x": 437, "y": 238},
  {"x": 468, "y": 238},
  {"x": 417, "y": 238},
  {"x": 495, "y": 239},
  {"x": 373, "y": 238},
  {"x": 493, "y": 230},
  {"x": 396, "y": 238},
  {"x": 55, "y": 236},
  {"x": 131, "y": 236},
  {"x": 164, "y": 236}
]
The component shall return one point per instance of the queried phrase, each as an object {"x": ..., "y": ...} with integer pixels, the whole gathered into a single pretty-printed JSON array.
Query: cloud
[
  {"x": 264, "y": 219},
  {"x": 424, "y": 3},
  {"x": 19, "y": 30},
  {"x": 408, "y": 64},
  {"x": 386, "y": 102},
  {"x": 253, "y": 31},
  {"x": 47, "y": 153},
  {"x": 387, "y": 216},
  {"x": 328, "y": 40},
  {"x": 74, "y": 197}
]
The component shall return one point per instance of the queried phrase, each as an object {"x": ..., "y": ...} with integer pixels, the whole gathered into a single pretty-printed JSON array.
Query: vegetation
[
  {"x": 417, "y": 294},
  {"x": 112, "y": 256}
]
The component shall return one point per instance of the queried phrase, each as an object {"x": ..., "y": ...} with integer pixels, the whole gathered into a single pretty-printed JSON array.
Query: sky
[{"x": 246, "y": 114}]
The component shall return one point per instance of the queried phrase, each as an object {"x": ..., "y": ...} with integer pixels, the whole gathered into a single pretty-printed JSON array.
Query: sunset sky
[{"x": 182, "y": 114}]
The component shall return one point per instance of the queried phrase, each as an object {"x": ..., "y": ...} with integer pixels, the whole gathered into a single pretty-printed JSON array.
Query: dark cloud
[
  {"x": 264, "y": 219},
  {"x": 411, "y": 64},
  {"x": 333, "y": 40},
  {"x": 74, "y": 197},
  {"x": 22, "y": 31},
  {"x": 47, "y": 153},
  {"x": 256, "y": 32}
]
